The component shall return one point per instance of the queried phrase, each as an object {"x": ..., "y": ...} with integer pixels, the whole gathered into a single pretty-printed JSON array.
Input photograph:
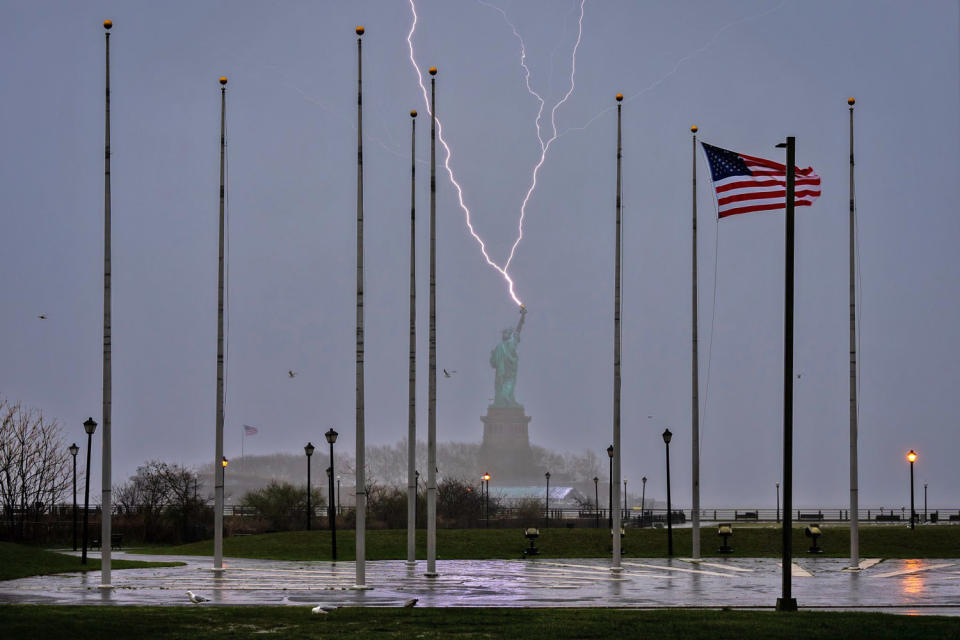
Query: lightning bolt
[
  {"x": 544, "y": 145},
  {"x": 446, "y": 164}
]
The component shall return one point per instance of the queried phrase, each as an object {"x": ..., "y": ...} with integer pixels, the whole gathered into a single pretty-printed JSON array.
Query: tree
[
  {"x": 283, "y": 505},
  {"x": 34, "y": 465},
  {"x": 164, "y": 497}
]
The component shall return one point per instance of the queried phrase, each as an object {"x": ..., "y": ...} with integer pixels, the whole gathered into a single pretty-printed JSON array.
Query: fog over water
[{"x": 748, "y": 73}]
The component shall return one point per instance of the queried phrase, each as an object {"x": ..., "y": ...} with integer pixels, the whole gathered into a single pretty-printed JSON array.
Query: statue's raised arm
[{"x": 523, "y": 316}]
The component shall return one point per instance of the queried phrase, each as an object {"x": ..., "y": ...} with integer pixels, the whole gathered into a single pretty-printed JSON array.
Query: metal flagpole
[
  {"x": 361, "y": 489},
  {"x": 854, "y": 491},
  {"x": 218, "y": 468},
  {"x": 106, "y": 514},
  {"x": 412, "y": 381},
  {"x": 786, "y": 602},
  {"x": 695, "y": 369},
  {"x": 615, "y": 474},
  {"x": 432, "y": 376}
]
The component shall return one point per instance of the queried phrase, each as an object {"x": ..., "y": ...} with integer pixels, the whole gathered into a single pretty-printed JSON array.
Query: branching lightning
[
  {"x": 544, "y": 145},
  {"x": 446, "y": 163}
]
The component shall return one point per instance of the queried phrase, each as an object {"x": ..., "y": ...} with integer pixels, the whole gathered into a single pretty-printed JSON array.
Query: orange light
[
  {"x": 486, "y": 477},
  {"x": 912, "y": 456},
  {"x": 224, "y": 462}
]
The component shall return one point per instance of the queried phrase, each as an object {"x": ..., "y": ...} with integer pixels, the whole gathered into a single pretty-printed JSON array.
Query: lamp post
[
  {"x": 74, "y": 450},
  {"x": 223, "y": 463},
  {"x": 610, "y": 496},
  {"x": 547, "y": 476},
  {"x": 924, "y": 501},
  {"x": 339, "y": 508},
  {"x": 643, "y": 497},
  {"x": 416, "y": 499},
  {"x": 331, "y": 437},
  {"x": 911, "y": 458},
  {"x": 667, "y": 436},
  {"x": 486, "y": 501},
  {"x": 624, "y": 497},
  {"x": 596, "y": 501},
  {"x": 89, "y": 426},
  {"x": 308, "y": 449},
  {"x": 778, "y": 501}
]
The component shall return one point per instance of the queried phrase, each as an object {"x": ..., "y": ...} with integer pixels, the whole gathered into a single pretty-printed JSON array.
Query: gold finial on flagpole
[
  {"x": 223, "y": 79},
  {"x": 433, "y": 71},
  {"x": 619, "y": 97},
  {"x": 851, "y": 101},
  {"x": 694, "y": 129},
  {"x": 107, "y": 24},
  {"x": 413, "y": 113},
  {"x": 359, "y": 30}
]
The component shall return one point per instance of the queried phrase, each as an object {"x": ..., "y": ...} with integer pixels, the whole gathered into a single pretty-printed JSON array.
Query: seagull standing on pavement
[
  {"x": 323, "y": 608},
  {"x": 409, "y": 604},
  {"x": 195, "y": 599}
]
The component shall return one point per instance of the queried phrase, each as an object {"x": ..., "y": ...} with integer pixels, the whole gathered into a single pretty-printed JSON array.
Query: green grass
[
  {"x": 19, "y": 561},
  {"x": 198, "y": 623},
  {"x": 482, "y": 544}
]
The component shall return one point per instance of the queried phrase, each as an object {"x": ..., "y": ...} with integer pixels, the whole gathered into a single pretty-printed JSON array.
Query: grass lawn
[
  {"x": 479, "y": 544},
  {"x": 197, "y": 623},
  {"x": 19, "y": 561}
]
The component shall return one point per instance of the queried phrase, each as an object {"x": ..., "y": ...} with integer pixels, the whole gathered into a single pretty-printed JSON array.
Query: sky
[{"x": 746, "y": 72}]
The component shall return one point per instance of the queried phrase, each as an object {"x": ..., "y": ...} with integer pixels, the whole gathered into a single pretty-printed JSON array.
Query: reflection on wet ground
[{"x": 905, "y": 586}]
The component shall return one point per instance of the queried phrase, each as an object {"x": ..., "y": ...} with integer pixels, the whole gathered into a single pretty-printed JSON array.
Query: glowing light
[{"x": 912, "y": 456}]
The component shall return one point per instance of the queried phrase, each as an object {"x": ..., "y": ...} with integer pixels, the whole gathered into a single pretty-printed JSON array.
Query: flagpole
[
  {"x": 695, "y": 369},
  {"x": 106, "y": 458},
  {"x": 615, "y": 474},
  {"x": 432, "y": 379},
  {"x": 361, "y": 489},
  {"x": 787, "y": 602},
  {"x": 218, "y": 469},
  {"x": 854, "y": 489},
  {"x": 412, "y": 382}
]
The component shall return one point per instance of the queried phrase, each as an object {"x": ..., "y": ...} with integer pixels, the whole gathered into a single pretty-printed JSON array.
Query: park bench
[
  {"x": 810, "y": 516},
  {"x": 116, "y": 541},
  {"x": 746, "y": 515},
  {"x": 887, "y": 517}
]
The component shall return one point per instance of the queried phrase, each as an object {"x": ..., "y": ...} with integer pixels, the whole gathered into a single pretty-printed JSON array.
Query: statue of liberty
[{"x": 504, "y": 360}]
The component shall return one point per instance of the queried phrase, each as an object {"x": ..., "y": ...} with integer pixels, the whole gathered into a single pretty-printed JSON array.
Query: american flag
[
  {"x": 250, "y": 431},
  {"x": 745, "y": 183}
]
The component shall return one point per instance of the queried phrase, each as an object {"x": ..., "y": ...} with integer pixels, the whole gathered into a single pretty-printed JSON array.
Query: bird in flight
[
  {"x": 195, "y": 599},
  {"x": 449, "y": 374},
  {"x": 42, "y": 316},
  {"x": 292, "y": 373}
]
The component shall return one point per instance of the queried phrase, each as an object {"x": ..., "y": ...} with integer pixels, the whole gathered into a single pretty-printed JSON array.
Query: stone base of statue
[{"x": 505, "y": 452}]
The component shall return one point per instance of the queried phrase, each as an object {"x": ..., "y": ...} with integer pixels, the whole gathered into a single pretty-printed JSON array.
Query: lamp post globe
[
  {"x": 778, "y": 501},
  {"x": 89, "y": 425}
]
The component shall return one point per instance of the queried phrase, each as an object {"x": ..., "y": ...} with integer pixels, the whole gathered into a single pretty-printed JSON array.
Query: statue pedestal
[{"x": 505, "y": 452}]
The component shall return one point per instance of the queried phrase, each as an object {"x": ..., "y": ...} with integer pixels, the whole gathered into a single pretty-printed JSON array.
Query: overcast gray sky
[{"x": 747, "y": 72}]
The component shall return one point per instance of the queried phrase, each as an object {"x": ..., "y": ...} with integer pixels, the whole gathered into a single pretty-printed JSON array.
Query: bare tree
[{"x": 34, "y": 465}]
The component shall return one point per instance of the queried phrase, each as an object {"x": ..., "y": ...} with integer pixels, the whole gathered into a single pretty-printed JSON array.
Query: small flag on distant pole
[
  {"x": 250, "y": 431},
  {"x": 745, "y": 184}
]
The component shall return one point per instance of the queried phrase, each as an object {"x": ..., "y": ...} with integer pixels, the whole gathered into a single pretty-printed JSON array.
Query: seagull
[
  {"x": 409, "y": 604},
  {"x": 449, "y": 374},
  {"x": 323, "y": 608},
  {"x": 195, "y": 599},
  {"x": 292, "y": 373},
  {"x": 42, "y": 316}
]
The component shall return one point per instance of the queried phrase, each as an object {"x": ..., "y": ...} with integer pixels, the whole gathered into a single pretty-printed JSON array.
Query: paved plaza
[{"x": 898, "y": 586}]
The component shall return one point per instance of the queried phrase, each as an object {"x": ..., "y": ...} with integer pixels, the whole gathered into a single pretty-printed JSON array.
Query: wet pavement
[{"x": 900, "y": 586}]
